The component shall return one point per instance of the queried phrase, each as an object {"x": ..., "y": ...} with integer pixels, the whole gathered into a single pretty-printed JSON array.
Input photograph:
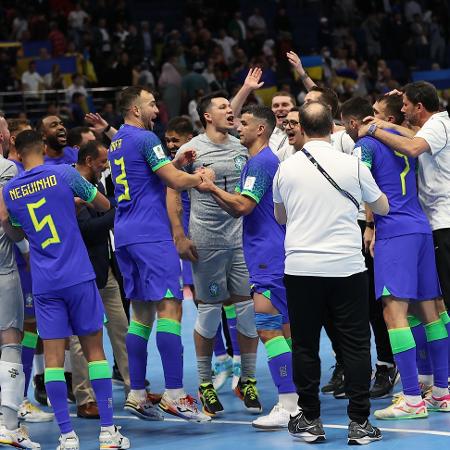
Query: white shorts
[
  {"x": 219, "y": 274},
  {"x": 11, "y": 302}
]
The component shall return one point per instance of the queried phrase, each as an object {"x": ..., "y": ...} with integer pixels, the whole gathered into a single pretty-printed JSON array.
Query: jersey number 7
[
  {"x": 47, "y": 220},
  {"x": 404, "y": 172}
]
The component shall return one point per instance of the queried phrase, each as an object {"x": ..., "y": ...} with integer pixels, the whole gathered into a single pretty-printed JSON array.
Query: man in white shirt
[
  {"x": 324, "y": 269},
  {"x": 32, "y": 81}
]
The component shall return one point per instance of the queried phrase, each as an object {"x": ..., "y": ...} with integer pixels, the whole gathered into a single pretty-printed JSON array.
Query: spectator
[
  {"x": 169, "y": 84},
  {"x": 77, "y": 17},
  {"x": 57, "y": 39},
  {"x": 76, "y": 109},
  {"x": 32, "y": 82},
  {"x": 77, "y": 86},
  {"x": 54, "y": 79},
  {"x": 257, "y": 23},
  {"x": 194, "y": 81}
]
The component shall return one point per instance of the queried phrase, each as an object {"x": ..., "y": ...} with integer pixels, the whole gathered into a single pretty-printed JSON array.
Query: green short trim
[
  {"x": 267, "y": 294},
  {"x": 161, "y": 164},
  {"x": 168, "y": 326},
  {"x": 444, "y": 317},
  {"x": 54, "y": 374},
  {"x": 435, "y": 331},
  {"x": 401, "y": 340},
  {"x": 93, "y": 195},
  {"x": 29, "y": 339},
  {"x": 139, "y": 329},
  {"x": 385, "y": 292},
  {"x": 251, "y": 195},
  {"x": 169, "y": 294},
  {"x": 289, "y": 342},
  {"x": 230, "y": 312},
  {"x": 277, "y": 346},
  {"x": 99, "y": 370},
  {"x": 414, "y": 321}
]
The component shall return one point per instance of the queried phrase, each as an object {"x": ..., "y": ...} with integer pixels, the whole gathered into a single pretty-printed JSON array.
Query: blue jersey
[
  {"x": 69, "y": 156},
  {"x": 186, "y": 203},
  {"x": 19, "y": 166},
  {"x": 41, "y": 201},
  {"x": 395, "y": 174},
  {"x": 135, "y": 155},
  {"x": 263, "y": 236}
]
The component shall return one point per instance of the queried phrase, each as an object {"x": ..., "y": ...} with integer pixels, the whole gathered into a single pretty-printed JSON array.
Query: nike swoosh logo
[{"x": 182, "y": 410}]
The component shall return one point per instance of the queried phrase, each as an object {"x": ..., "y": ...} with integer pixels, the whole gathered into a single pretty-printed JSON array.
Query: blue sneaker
[{"x": 222, "y": 370}]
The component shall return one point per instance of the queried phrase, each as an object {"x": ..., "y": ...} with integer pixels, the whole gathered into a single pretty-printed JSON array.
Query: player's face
[
  {"x": 410, "y": 111},
  {"x": 351, "y": 127},
  {"x": 175, "y": 140},
  {"x": 55, "y": 133},
  {"x": 99, "y": 164},
  {"x": 379, "y": 110},
  {"x": 220, "y": 114},
  {"x": 293, "y": 131},
  {"x": 281, "y": 105},
  {"x": 148, "y": 109},
  {"x": 249, "y": 129},
  {"x": 12, "y": 139}
]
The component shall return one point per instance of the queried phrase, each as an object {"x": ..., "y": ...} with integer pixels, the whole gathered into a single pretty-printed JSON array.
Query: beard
[{"x": 53, "y": 143}]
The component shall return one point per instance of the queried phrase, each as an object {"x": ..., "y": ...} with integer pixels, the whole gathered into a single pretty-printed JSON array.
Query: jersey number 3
[
  {"x": 39, "y": 225},
  {"x": 122, "y": 179}
]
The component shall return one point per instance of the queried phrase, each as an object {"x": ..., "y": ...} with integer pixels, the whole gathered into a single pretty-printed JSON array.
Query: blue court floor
[{"x": 234, "y": 427}]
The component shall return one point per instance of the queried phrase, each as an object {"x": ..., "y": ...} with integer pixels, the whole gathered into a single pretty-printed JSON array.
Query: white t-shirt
[
  {"x": 32, "y": 81},
  {"x": 434, "y": 171},
  {"x": 279, "y": 143},
  {"x": 342, "y": 142},
  {"x": 323, "y": 238}
]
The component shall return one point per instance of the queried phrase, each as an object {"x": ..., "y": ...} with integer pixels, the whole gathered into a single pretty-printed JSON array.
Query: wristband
[
  {"x": 370, "y": 225},
  {"x": 372, "y": 129},
  {"x": 107, "y": 128},
  {"x": 23, "y": 246}
]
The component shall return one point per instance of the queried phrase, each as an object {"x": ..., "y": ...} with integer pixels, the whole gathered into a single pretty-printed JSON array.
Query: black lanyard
[{"x": 328, "y": 177}]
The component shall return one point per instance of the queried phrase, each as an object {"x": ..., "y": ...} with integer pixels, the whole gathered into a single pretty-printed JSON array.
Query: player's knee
[
  {"x": 208, "y": 319},
  {"x": 245, "y": 315},
  {"x": 268, "y": 325}
]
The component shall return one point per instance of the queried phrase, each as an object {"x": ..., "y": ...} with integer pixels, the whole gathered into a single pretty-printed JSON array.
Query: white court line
[{"x": 339, "y": 427}]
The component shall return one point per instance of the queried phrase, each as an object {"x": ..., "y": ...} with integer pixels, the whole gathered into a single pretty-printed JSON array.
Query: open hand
[
  {"x": 186, "y": 249},
  {"x": 97, "y": 122},
  {"x": 295, "y": 61},
  {"x": 184, "y": 158},
  {"x": 252, "y": 79}
]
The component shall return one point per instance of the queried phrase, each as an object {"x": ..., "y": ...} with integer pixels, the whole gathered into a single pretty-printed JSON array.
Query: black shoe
[
  {"x": 363, "y": 434},
  {"x": 117, "y": 377},
  {"x": 385, "y": 380},
  {"x": 336, "y": 380},
  {"x": 70, "y": 396},
  {"x": 339, "y": 392},
  {"x": 248, "y": 393},
  {"x": 40, "y": 394},
  {"x": 307, "y": 430},
  {"x": 210, "y": 400}
]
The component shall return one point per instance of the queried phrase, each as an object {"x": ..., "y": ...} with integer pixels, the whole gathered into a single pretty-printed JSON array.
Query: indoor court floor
[{"x": 234, "y": 426}]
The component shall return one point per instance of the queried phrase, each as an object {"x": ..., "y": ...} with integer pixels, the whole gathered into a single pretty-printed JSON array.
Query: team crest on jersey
[
  {"x": 213, "y": 289},
  {"x": 159, "y": 152},
  {"x": 29, "y": 301},
  {"x": 239, "y": 162}
]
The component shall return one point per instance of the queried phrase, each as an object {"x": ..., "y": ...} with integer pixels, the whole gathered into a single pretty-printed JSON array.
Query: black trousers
[
  {"x": 345, "y": 300},
  {"x": 442, "y": 249},
  {"x": 380, "y": 333}
]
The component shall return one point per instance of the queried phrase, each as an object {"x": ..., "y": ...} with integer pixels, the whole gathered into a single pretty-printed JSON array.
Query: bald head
[
  {"x": 316, "y": 120},
  {"x": 4, "y": 136}
]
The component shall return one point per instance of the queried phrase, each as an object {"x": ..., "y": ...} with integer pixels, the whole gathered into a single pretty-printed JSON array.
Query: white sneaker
[
  {"x": 439, "y": 404},
  {"x": 184, "y": 407},
  {"x": 69, "y": 442},
  {"x": 31, "y": 413},
  {"x": 222, "y": 371},
  {"x": 18, "y": 438},
  {"x": 401, "y": 409},
  {"x": 277, "y": 419},
  {"x": 236, "y": 375},
  {"x": 108, "y": 439},
  {"x": 144, "y": 409}
]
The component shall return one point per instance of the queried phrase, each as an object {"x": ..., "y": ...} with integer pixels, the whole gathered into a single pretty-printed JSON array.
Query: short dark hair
[
  {"x": 205, "y": 102},
  {"x": 128, "y": 96},
  {"x": 422, "y": 92},
  {"x": 357, "y": 107},
  {"x": 263, "y": 113},
  {"x": 284, "y": 94},
  {"x": 393, "y": 105},
  {"x": 316, "y": 119},
  {"x": 329, "y": 97},
  {"x": 88, "y": 149},
  {"x": 74, "y": 136},
  {"x": 15, "y": 125},
  {"x": 180, "y": 125},
  {"x": 28, "y": 141}
]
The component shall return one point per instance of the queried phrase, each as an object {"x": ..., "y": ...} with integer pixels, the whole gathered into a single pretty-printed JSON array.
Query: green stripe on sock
[
  {"x": 29, "y": 339},
  {"x": 230, "y": 311},
  {"x": 445, "y": 317},
  {"x": 276, "y": 346},
  {"x": 139, "y": 329},
  {"x": 435, "y": 331},
  {"x": 401, "y": 340},
  {"x": 289, "y": 342},
  {"x": 99, "y": 370},
  {"x": 168, "y": 326},
  {"x": 54, "y": 374},
  {"x": 413, "y": 321}
]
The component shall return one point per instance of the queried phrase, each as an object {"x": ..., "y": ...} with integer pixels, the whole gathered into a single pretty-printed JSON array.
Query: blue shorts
[
  {"x": 186, "y": 271},
  {"x": 151, "y": 271},
  {"x": 25, "y": 282},
  {"x": 274, "y": 290},
  {"x": 405, "y": 267},
  {"x": 74, "y": 310}
]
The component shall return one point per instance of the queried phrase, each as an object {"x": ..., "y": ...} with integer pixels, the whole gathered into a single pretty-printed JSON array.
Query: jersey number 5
[
  {"x": 46, "y": 221},
  {"x": 404, "y": 172},
  {"x": 122, "y": 179}
]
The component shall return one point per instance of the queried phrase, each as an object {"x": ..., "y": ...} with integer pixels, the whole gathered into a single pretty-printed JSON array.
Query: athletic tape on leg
[
  {"x": 265, "y": 321},
  {"x": 12, "y": 381}
]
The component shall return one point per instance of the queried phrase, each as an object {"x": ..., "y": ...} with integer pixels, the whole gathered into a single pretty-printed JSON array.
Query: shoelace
[
  {"x": 250, "y": 391},
  {"x": 210, "y": 395}
]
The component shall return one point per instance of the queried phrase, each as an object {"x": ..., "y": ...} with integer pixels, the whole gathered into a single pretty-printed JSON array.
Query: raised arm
[
  {"x": 251, "y": 83},
  {"x": 99, "y": 125},
  {"x": 296, "y": 63}
]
